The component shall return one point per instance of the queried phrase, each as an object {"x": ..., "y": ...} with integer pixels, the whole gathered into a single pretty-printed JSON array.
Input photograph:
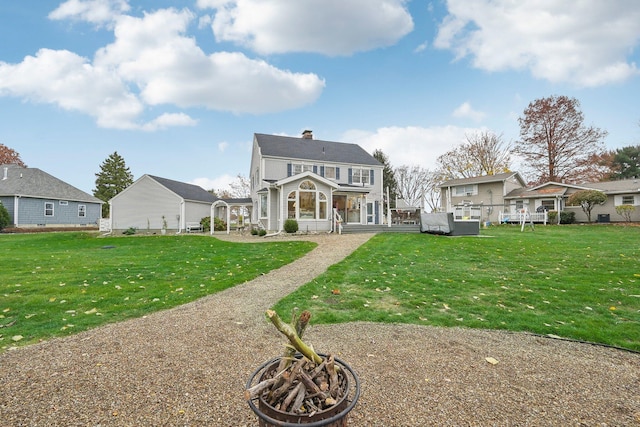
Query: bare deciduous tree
[
  {"x": 554, "y": 141},
  {"x": 240, "y": 188},
  {"x": 483, "y": 153},
  {"x": 412, "y": 183}
]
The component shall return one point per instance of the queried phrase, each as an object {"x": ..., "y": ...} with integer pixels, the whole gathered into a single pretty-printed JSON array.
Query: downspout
[
  {"x": 110, "y": 217},
  {"x": 182, "y": 221},
  {"x": 211, "y": 222},
  {"x": 16, "y": 211},
  {"x": 280, "y": 219},
  {"x": 388, "y": 209}
]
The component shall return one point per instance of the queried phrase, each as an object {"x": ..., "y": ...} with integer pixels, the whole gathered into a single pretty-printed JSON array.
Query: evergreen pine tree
[
  {"x": 388, "y": 176},
  {"x": 114, "y": 176}
]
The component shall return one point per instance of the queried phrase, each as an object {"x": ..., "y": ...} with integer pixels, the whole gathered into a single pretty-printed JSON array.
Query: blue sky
[{"x": 178, "y": 88}]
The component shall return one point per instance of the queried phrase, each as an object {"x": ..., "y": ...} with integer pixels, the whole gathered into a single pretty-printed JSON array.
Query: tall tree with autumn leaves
[
  {"x": 555, "y": 143},
  {"x": 9, "y": 156}
]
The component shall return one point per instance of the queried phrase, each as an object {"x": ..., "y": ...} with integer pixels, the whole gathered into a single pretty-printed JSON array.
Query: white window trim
[
  {"x": 363, "y": 176},
  {"x": 618, "y": 200},
  {"x": 465, "y": 190},
  {"x": 53, "y": 212}
]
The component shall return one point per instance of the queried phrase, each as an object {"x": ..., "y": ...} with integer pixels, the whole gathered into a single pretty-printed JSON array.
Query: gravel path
[{"x": 187, "y": 367}]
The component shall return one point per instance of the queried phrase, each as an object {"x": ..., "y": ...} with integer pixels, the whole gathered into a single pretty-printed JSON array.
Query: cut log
[{"x": 288, "y": 331}]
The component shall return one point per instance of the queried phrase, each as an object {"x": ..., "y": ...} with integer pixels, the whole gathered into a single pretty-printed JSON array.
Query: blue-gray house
[{"x": 34, "y": 198}]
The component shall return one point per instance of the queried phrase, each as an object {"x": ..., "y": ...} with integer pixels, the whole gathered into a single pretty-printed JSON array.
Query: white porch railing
[
  {"x": 517, "y": 217},
  {"x": 337, "y": 222}
]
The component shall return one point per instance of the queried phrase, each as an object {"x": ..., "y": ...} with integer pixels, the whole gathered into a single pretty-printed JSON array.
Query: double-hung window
[
  {"x": 466, "y": 190},
  {"x": 48, "y": 208},
  {"x": 82, "y": 211},
  {"x": 330, "y": 172},
  {"x": 297, "y": 168},
  {"x": 360, "y": 176}
]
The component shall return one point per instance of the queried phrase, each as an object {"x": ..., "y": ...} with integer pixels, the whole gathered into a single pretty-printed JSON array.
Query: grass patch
[
  {"x": 55, "y": 284},
  {"x": 580, "y": 282}
]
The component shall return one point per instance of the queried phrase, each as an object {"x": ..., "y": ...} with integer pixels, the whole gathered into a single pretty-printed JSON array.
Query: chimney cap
[{"x": 307, "y": 134}]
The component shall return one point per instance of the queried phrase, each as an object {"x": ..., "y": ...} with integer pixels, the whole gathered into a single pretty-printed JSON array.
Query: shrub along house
[
  {"x": 36, "y": 199},
  {"x": 309, "y": 180}
]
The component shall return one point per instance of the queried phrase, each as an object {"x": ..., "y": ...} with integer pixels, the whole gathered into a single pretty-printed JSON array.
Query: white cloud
[
  {"x": 330, "y": 27},
  {"x": 152, "y": 62},
  {"x": 65, "y": 79},
  {"x": 168, "y": 120},
  {"x": 219, "y": 183},
  {"x": 94, "y": 11},
  {"x": 223, "y": 146},
  {"x": 411, "y": 145},
  {"x": 586, "y": 43},
  {"x": 421, "y": 47},
  {"x": 465, "y": 110}
]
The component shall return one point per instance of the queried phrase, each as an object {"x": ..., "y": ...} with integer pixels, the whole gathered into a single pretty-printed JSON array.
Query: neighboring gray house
[
  {"x": 307, "y": 179},
  {"x": 36, "y": 199},
  {"x": 479, "y": 198},
  {"x": 150, "y": 200}
]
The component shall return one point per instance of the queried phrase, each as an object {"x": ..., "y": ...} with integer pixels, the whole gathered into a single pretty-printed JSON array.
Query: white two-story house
[{"x": 308, "y": 180}]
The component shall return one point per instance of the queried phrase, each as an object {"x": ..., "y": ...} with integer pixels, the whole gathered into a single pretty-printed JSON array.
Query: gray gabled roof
[
  {"x": 616, "y": 187},
  {"x": 32, "y": 182},
  {"x": 313, "y": 149},
  {"x": 483, "y": 179},
  {"x": 186, "y": 191}
]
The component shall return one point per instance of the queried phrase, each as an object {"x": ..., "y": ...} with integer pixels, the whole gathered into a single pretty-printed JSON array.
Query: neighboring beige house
[
  {"x": 505, "y": 197},
  {"x": 309, "y": 180},
  {"x": 481, "y": 198},
  {"x": 553, "y": 196}
]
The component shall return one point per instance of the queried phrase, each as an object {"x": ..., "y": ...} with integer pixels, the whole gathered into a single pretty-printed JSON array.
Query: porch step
[{"x": 375, "y": 228}]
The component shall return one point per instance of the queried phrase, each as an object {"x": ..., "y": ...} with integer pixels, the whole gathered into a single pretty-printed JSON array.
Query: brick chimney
[{"x": 307, "y": 134}]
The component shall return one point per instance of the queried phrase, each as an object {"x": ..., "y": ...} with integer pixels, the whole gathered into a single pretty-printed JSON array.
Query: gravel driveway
[{"x": 187, "y": 367}]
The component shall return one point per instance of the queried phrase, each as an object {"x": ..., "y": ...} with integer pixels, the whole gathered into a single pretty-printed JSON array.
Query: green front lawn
[
  {"x": 54, "y": 284},
  {"x": 580, "y": 282}
]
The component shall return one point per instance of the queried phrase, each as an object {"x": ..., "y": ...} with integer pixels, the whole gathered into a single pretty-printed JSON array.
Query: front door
[
  {"x": 370, "y": 213},
  {"x": 353, "y": 209},
  {"x": 340, "y": 204}
]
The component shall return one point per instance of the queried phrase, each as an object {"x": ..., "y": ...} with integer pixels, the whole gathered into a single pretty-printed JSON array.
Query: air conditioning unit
[{"x": 469, "y": 194}]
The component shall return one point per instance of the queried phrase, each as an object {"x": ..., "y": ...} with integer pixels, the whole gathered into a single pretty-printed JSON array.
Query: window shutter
[
  {"x": 322, "y": 171},
  {"x": 371, "y": 177},
  {"x": 337, "y": 173},
  {"x": 288, "y": 169},
  {"x": 350, "y": 177},
  {"x": 377, "y": 210}
]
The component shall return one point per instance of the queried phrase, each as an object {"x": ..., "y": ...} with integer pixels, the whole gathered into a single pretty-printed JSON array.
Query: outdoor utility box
[
  {"x": 604, "y": 218},
  {"x": 466, "y": 228}
]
